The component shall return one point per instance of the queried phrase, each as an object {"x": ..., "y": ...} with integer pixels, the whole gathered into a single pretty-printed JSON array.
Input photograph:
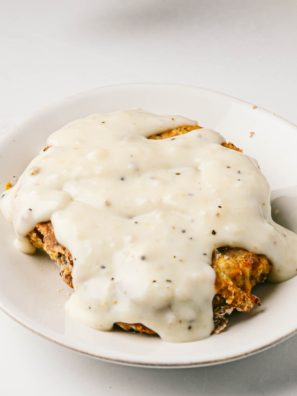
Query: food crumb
[
  {"x": 8, "y": 185},
  {"x": 254, "y": 107},
  {"x": 252, "y": 134}
]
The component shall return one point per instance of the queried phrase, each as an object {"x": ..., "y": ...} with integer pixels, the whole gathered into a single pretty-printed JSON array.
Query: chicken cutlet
[{"x": 237, "y": 270}]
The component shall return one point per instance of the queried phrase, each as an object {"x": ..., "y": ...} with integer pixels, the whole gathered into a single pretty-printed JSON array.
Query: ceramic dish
[{"x": 31, "y": 290}]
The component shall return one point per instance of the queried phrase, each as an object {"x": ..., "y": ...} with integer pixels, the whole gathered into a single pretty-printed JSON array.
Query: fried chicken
[{"x": 237, "y": 270}]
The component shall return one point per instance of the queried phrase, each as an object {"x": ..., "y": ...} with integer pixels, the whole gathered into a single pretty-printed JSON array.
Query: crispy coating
[
  {"x": 140, "y": 328},
  {"x": 232, "y": 147},
  {"x": 181, "y": 130},
  {"x": 43, "y": 237},
  {"x": 237, "y": 270}
]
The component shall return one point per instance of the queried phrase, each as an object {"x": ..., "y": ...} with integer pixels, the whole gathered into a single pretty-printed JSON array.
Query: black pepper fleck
[
  {"x": 30, "y": 209},
  {"x": 136, "y": 222},
  {"x": 122, "y": 178},
  {"x": 168, "y": 280},
  {"x": 189, "y": 328},
  {"x": 89, "y": 307},
  {"x": 2, "y": 195},
  {"x": 213, "y": 232},
  {"x": 103, "y": 122},
  {"x": 142, "y": 257},
  {"x": 204, "y": 254},
  {"x": 154, "y": 281},
  {"x": 102, "y": 266},
  {"x": 173, "y": 139},
  {"x": 183, "y": 231},
  {"x": 220, "y": 207},
  {"x": 112, "y": 278},
  {"x": 177, "y": 173},
  {"x": 238, "y": 179},
  {"x": 238, "y": 172}
]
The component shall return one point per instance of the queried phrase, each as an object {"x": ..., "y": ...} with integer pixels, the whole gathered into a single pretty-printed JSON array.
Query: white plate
[{"x": 30, "y": 285}]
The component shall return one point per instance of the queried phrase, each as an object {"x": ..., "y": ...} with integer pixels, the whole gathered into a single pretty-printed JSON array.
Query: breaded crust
[
  {"x": 43, "y": 237},
  {"x": 237, "y": 270}
]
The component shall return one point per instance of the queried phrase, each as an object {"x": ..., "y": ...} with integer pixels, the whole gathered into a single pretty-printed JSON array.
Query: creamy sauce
[{"x": 142, "y": 218}]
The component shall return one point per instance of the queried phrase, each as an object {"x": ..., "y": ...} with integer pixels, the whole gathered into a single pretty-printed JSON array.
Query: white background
[{"x": 55, "y": 48}]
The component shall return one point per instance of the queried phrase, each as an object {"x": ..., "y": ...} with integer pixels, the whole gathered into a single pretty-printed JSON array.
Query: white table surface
[{"x": 50, "y": 49}]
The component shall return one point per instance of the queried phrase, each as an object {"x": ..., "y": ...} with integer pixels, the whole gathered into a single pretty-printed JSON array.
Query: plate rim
[
  {"x": 131, "y": 363},
  {"x": 128, "y": 361}
]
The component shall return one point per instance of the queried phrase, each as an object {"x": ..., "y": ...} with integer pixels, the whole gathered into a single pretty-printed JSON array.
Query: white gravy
[{"x": 142, "y": 217}]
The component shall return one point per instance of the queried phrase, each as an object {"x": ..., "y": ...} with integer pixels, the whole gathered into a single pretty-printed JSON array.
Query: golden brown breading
[
  {"x": 237, "y": 270},
  {"x": 175, "y": 132},
  {"x": 43, "y": 237},
  {"x": 231, "y": 146},
  {"x": 140, "y": 328}
]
